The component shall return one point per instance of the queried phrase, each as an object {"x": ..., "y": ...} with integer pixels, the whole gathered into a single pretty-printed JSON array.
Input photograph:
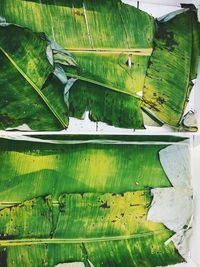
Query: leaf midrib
[
  {"x": 36, "y": 241},
  {"x": 134, "y": 51},
  {"x": 112, "y": 88},
  {"x": 37, "y": 89}
]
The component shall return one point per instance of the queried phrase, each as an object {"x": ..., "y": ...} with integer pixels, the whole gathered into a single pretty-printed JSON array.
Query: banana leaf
[
  {"x": 99, "y": 72},
  {"x": 114, "y": 108},
  {"x": 125, "y": 109},
  {"x": 24, "y": 69},
  {"x": 195, "y": 46},
  {"x": 112, "y": 36},
  {"x": 116, "y": 168},
  {"x": 109, "y": 25},
  {"x": 123, "y": 53},
  {"x": 101, "y": 63},
  {"x": 78, "y": 199},
  {"x": 95, "y": 223},
  {"x": 168, "y": 82},
  {"x": 111, "y": 70}
]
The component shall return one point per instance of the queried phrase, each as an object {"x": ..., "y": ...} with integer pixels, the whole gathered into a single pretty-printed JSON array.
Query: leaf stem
[
  {"x": 72, "y": 75},
  {"x": 35, "y": 241}
]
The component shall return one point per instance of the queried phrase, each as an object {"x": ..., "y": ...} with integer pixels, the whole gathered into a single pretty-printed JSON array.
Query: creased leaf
[{"x": 168, "y": 81}]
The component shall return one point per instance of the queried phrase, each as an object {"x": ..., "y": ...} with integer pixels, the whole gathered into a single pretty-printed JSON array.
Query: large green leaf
[
  {"x": 115, "y": 226},
  {"x": 82, "y": 199},
  {"x": 113, "y": 39},
  {"x": 79, "y": 216},
  {"x": 118, "y": 106},
  {"x": 125, "y": 109},
  {"x": 82, "y": 167},
  {"x": 119, "y": 72},
  {"x": 168, "y": 81},
  {"x": 113, "y": 43},
  {"x": 24, "y": 71},
  {"x": 112, "y": 107},
  {"x": 110, "y": 25},
  {"x": 105, "y": 253},
  {"x": 104, "y": 52}
]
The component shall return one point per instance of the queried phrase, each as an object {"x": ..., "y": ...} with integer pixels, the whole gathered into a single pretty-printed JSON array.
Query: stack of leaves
[
  {"x": 116, "y": 63},
  {"x": 82, "y": 201}
]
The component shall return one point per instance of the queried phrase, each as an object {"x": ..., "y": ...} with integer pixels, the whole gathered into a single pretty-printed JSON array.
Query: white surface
[
  {"x": 172, "y": 206},
  {"x": 175, "y": 161},
  {"x": 195, "y": 240}
]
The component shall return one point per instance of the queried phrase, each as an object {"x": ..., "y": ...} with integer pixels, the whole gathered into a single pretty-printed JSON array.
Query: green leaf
[
  {"x": 82, "y": 199},
  {"x": 110, "y": 253},
  {"x": 68, "y": 168},
  {"x": 167, "y": 84},
  {"x": 105, "y": 53},
  {"x": 108, "y": 88},
  {"x": 24, "y": 71},
  {"x": 119, "y": 72},
  {"x": 84, "y": 24},
  {"x": 101, "y": 216},
  {"x": 112, "y": 107},
  {"x": 195, "y": 46},
  {"x": 113, "y": 44},
  {"x": 85, "y": 224}
]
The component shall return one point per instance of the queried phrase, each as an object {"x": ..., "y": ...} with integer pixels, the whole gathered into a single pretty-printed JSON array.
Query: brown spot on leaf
[
  {"x": 4, "y": 118},
  {"x": 160, "y": 100},
  {"x": 105, "y": 205}
]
